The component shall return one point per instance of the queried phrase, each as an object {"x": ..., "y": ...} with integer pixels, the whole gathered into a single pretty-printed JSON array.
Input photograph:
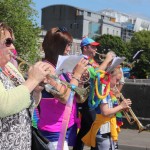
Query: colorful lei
[{"x": 98, "y": 78}]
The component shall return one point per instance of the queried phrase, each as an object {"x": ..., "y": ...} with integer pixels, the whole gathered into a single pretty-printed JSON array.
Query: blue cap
[{"x": 88, "y": 41}]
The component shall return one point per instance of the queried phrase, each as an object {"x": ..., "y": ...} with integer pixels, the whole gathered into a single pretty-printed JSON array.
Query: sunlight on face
[
  {"x": 68, "y": 49},
  {"x": 114, "y": 79},
  {"x": 91, "y": 50},
  {"x": 4, "y": 49}
]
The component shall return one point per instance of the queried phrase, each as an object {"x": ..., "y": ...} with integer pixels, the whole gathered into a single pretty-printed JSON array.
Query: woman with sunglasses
[
  {"x": 51, "y": 109},
  {"x": 15, "y": 122}
]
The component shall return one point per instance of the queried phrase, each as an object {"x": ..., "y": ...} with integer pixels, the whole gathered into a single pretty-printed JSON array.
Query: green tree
[
  {"x": 113, "y": 43},
  {"x": 141, "y": 41},
  {"x": 19, "y": 14}
]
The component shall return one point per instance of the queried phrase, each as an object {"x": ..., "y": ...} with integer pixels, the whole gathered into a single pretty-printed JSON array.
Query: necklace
[{"x": 12, "y": 75}]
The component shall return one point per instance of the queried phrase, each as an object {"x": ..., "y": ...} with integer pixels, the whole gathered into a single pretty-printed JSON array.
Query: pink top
[{"x": 51, "y": 114}]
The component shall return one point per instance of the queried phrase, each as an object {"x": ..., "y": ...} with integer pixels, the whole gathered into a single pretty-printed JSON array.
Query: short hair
[
  {"x": 54, "y": 43},
  {"x": 4, "y": 27}
]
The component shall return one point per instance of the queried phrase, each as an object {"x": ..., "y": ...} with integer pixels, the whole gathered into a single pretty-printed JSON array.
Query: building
[
  {"x": 79, "y": 22},
  {"x": 129, "y": 24},
  {"x": 82, "y": 23}
]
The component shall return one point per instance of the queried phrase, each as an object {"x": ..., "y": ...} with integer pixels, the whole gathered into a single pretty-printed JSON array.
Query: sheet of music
[
  {"x": 116, "y": 62},
  {"x": 67, "y": 63}
]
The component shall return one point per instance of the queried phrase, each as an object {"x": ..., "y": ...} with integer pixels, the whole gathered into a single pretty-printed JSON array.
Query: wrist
[
  {"x": 77, "y": 76},
  {"x": 77, "y": 79},
  {"x": 31, "y": 84},
  {"x": 120, "y": 107},
  {"x": 107, "y": 60}
]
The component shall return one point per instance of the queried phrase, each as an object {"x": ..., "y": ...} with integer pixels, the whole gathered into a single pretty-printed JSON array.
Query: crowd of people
[{"x": 99, "y": 124}]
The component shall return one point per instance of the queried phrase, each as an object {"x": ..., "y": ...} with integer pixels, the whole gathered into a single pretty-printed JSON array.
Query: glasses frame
[{"x": 62, "y": 29}]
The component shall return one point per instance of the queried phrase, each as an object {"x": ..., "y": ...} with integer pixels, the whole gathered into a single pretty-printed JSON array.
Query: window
[
  {"x": 89, "y": 14},
  {"x": 107, "y": 30},
  {"x": 116, "y": 32},
  {"x": 79, "y": 12}
]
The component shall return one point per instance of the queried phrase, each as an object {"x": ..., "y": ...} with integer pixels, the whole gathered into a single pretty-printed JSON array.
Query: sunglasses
[
  {"x": 8, "y": 42},
  {"x": 62, "y": 29}
]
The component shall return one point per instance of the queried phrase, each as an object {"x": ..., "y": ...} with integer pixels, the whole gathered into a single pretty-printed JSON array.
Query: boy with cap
[{"x": 89, "y": 48}]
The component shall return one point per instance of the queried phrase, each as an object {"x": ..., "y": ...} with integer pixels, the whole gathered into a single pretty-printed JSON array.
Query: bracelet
[{"x": 76, "y": 78}]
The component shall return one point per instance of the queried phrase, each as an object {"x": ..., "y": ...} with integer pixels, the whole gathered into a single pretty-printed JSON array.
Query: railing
[{"x": 145, "y": 81}]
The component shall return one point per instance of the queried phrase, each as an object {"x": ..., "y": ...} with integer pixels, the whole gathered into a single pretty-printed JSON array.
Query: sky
[{"x": 138, "y": 8}]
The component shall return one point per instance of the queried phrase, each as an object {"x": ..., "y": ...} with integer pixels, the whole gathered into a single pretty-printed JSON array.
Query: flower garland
[
  {"x": 98, "y": 78},
  {"x": 105, "y": 79}
]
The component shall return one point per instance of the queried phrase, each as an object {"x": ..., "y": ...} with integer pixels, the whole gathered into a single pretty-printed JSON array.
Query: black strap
[{"x": 36, "y": 131}]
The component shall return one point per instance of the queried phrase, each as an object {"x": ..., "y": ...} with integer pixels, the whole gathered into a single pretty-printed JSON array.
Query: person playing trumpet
[
  {"x": 103, "y": 134},
  {"x": 58, "y": 41},
  {"x": 89, "y": 49},
  {"x": 15, "y": 95}
]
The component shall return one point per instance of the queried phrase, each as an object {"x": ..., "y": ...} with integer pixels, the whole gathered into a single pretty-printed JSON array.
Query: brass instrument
[
  {"x": 132, "y": 114},
  {"x": 130, "y": 65},
  {"x": 82, "y": 92},
  {"x": 101, "y": 56}
]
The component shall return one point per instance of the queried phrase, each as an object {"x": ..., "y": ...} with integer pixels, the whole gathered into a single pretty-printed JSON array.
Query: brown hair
[
  {"x": 54, "y": 44},
  {"x": 4, "y": 27}
]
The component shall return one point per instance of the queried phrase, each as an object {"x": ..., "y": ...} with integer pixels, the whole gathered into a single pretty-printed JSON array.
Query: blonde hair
[{"x": 116, "y": 71}]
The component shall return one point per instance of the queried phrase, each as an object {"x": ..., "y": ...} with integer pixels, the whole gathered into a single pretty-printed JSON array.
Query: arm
[
  {"x": 107, "y": 61},
  {"x": 106, "y": 111},
  {"x": 79, "y": 69},
  {"x": 14, "y": 100}
]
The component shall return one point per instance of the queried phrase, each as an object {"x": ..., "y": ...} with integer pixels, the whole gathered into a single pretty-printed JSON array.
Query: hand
[
  {"x": 38, "y": 88},
  {"x": 126, "y": 103},
  {"x": 110, "y": 56},
  {"x": 39, "y": 71},
  {"x": 80, "y": 67}
]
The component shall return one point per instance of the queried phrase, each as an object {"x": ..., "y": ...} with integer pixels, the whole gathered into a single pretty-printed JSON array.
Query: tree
[
  {"x": 141, "y": 41},
  {"x": 19, "y": 14},
  {"x": 113, "y": 43}
]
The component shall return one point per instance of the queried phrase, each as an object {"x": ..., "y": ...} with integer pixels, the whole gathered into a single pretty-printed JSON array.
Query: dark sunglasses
[
  {"x": 8, "y": 42},
  {"x": 62, "y": 29}
]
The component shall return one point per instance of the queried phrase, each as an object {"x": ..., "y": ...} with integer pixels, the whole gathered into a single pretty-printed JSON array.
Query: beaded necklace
[{"x": 12, "y": 75}]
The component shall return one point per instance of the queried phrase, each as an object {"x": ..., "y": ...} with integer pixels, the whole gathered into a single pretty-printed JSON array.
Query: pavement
[{"x": 130, "y": 139}]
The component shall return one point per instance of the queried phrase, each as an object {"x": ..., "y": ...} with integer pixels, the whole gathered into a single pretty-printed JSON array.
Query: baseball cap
[{"x": 88, "y": 41}]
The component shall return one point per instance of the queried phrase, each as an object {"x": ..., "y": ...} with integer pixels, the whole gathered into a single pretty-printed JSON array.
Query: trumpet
[
  {"x": 101, "y": 55},
  {"x": 132, "y": 115},
  {"x": 82, "y": 92}
]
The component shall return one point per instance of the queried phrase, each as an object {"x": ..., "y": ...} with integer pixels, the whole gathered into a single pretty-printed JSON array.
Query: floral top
[{"x": 15, "y": 130}]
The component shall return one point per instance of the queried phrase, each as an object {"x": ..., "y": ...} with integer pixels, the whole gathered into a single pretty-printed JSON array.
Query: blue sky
[{"x": 132, "y": 7}]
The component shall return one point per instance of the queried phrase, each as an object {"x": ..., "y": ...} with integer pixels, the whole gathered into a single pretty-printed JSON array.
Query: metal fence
[{"x": 138, "y": 81}]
